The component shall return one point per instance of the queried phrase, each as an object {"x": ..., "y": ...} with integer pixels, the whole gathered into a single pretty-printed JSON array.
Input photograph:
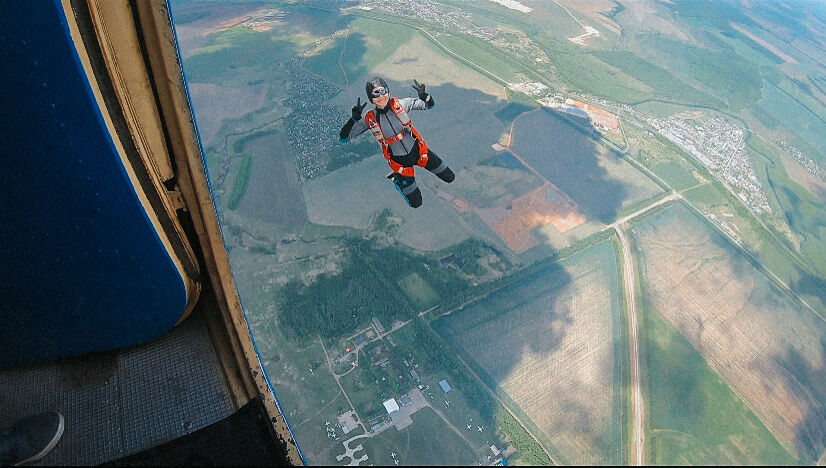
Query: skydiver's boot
[
  {"x": 407, "y": 188},
  {"x": 30, "y": 439},
  {"x": 439, "y": 167}
]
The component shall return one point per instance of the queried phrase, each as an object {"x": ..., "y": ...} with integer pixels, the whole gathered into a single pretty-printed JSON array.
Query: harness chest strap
[{"x": 375, "y": 129}]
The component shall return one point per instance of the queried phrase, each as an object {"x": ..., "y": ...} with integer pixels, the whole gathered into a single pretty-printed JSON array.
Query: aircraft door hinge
[{"x": 176, "y": 198}]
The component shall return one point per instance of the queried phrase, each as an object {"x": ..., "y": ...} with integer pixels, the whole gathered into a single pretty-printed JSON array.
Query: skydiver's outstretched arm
[{"x": 346, "y": 130}]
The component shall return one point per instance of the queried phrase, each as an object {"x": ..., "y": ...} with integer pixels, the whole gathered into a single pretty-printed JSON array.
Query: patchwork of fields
[
  {"x": 549, "y": 344},
  {"x": 767, "y": 346},
  {"x": 596, "y": 179},
  {"x": 736, "y": 365}
]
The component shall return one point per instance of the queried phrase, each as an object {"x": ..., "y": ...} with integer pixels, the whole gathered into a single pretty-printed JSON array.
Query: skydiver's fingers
[{"x": 358, "y": 101}]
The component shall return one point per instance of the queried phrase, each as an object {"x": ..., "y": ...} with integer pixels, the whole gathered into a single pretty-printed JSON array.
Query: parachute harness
[{"x": 375, "y": 129}]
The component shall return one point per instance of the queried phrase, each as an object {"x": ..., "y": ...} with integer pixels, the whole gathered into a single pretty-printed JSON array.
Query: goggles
[{"x": 377, "y": 92}]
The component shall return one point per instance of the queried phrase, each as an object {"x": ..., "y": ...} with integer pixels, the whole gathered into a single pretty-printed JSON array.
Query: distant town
[
  {"x": 452, "y": 20},
  {"x": 810, "y": 166},
  {"x": 720, "y": 146}
]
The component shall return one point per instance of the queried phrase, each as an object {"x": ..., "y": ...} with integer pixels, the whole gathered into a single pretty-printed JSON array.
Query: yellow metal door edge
[
  {"x": 138, "y": 45},
  {"x": 139, "y": 145}
]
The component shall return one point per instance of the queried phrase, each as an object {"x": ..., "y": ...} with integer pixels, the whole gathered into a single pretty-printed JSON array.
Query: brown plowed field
[
  {"x": 516, "y": 221},
  {"x": 764, "y": 344}
]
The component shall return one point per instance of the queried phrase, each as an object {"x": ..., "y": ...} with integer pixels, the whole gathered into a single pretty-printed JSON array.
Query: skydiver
[{"x": 405, "y": 148}]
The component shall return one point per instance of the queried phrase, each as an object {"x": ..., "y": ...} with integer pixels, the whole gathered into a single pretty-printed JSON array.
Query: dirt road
[{"x": 638, "y": 433}]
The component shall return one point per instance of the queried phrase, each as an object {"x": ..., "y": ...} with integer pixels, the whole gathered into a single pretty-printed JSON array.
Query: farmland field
[
  {"x": 797, "y": 117},
  {"x": 766, "y": 345},
  {"x": 273, "y": 194},
  {"x": 693, "y": 417},
  {"x": 549, "y": 344},
  {"x": 213, "y": 103},
  {"x": 603, "y": 183},
  {"x": 338, "y": 199}
]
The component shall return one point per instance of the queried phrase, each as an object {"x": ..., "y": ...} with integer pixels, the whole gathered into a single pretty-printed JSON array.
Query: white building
[{"x": 391, "y": 405}]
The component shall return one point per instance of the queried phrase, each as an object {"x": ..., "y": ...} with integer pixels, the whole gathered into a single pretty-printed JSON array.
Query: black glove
[
  {"x": 419, "y": 87},
  {"x": 357, "y": 109}
]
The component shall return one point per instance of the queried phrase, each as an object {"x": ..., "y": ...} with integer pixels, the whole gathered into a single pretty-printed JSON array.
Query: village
[{"x": 373, "y": 347}]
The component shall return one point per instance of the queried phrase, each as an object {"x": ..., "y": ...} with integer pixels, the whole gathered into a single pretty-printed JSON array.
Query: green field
[
  {"x": 664, "y": 84},
  {"x": 487, "y": 186},
  {"x": 692, "y": 416},
  {"x": 724, "y": 73},
  {"x": 796, "y": 207},
  {"x": 418, "y": 291},
  {"x": 240, "y": 185},
  {"x": 352, "y": 56},
  {"x": 758, "y": 339},
  {"x": 771, "y": 253},
  {"x": 589, "y": 74},
  {"x": 428, "y": 441},
  {"x": 600, "y": 182},
  {"x": 796, "y": 117},
  {"x": 236, "y": 56},
  {"x": 483, "y": 56}
]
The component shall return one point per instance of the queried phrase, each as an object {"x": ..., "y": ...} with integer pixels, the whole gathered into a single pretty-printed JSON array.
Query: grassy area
[
  {"x": 513, "y": 110},
  {"x": 189, "y": 17},
  {"x": 418, "y": 291},
  {"x": 692, "y": 416},
  {"x": 483, "y": 56},
  {"x": 800, "y": 210},
  {"x": 732, "y": 77},
  {"x": 428, "y": 441},
  {"x": 760, "y": 243},
  {"x": 528, "y": 451},
  {"x": 229, "y": 56},
  {"x": 677, "y": 174},
  {"x": 623, "y": 403},
  {"x": 796, "y": 117},
  {"x": 363, "y": 46},
  {"x": 486, "y": 186},
  {"x": 589, "y": 74},
  {"x": 664, "y": 84},
  {"x": 239, "y": 188}
]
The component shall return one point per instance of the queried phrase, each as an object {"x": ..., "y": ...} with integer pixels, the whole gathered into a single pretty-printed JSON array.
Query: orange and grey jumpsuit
[{"x": 401, "y": 144}]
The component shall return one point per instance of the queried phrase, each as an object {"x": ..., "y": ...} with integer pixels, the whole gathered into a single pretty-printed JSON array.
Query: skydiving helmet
[{"x": 373, "y": 83}]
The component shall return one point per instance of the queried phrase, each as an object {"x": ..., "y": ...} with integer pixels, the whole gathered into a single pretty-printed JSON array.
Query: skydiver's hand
[
  {"x": 419, "y": 87},
  {"x": 357, "y": 109}
]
